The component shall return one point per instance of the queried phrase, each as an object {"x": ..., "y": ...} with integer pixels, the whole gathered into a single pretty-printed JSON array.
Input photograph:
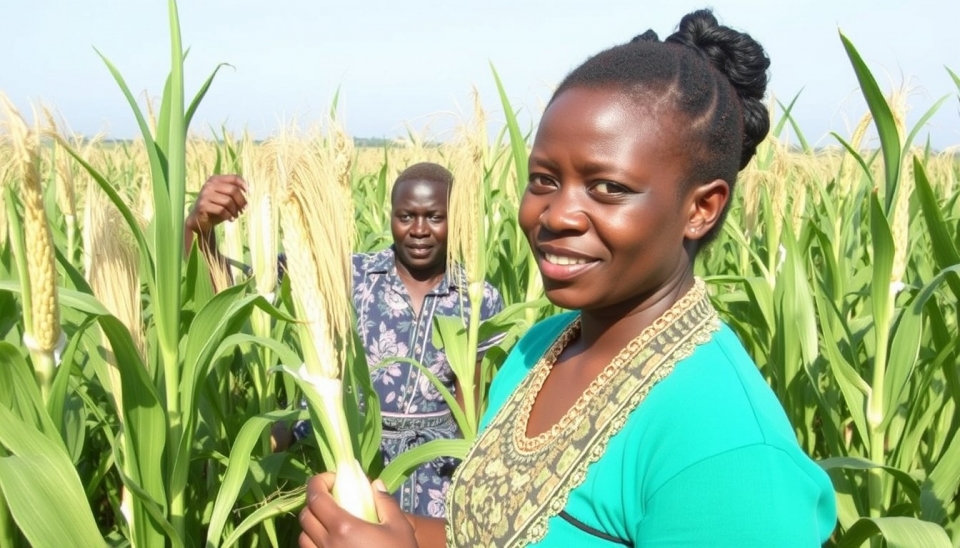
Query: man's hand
[{"x": 222, "y": 198}]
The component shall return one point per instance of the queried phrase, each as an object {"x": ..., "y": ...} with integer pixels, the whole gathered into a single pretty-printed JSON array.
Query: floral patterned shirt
[{"x": 413, "y": 410}]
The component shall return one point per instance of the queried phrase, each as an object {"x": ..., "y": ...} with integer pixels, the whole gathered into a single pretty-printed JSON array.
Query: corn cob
[
  {"x": 42, "y": 334},
  {"x": 262, "y": 229}
]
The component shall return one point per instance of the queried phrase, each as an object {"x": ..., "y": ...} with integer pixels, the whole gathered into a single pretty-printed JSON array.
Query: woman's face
[{"x": 604, "y": 209}]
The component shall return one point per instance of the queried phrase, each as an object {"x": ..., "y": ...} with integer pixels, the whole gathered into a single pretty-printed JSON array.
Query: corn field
[{"x": 139, "y": 381}]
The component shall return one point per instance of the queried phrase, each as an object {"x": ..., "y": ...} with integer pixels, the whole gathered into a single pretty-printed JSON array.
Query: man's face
[{"x": 419, "y": 225}]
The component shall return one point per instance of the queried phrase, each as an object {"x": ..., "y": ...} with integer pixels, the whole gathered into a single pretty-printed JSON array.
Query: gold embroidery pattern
[{"x": 510, "y": 485}]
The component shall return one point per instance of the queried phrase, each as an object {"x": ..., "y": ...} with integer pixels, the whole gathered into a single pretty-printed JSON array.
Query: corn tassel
[
  {"x": 467, "y": 248},
  {"x": 321, "y": 300}
]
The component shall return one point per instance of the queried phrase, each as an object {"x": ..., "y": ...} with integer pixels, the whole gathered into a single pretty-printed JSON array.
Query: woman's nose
[{"x": 564, "y": 211}]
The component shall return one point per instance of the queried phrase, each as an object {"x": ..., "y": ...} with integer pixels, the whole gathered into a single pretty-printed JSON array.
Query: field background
[{"x": 138, "y": 389}]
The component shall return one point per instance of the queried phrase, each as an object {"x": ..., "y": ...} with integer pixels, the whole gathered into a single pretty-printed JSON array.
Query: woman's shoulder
[
  {"x": 719, "y": 392},
  {"x": 715, "y": 401},
  {"x": 715, "y": 416}
]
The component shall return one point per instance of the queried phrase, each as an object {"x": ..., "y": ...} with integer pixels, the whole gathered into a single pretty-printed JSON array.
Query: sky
[{"x": 413, "y": 63}]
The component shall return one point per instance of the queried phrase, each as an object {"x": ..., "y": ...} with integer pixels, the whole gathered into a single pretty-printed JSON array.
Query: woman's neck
[{"x": 613, "y": 328}]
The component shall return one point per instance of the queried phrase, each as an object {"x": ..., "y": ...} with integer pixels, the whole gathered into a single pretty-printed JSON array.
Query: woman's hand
[
  {"x": 326, "y": 525},
  {"x": 222, "y": 198}
]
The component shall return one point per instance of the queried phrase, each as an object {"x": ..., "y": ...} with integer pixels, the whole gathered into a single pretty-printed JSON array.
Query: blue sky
[{"x": 413, "y": 63}]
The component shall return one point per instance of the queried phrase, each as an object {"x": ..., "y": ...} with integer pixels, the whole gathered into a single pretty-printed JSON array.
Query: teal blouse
[{"x": 708, "y": 459}]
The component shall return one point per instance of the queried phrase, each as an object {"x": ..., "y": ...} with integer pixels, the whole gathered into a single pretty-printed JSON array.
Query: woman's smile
[{"x": 560, "y": 264}]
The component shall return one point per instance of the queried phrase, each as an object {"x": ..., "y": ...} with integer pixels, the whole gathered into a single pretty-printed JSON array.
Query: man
[{"x": 396, "y": 294}]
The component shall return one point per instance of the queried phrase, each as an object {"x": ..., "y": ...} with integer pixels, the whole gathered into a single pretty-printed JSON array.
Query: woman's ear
[{"x": 706, "y": 203}]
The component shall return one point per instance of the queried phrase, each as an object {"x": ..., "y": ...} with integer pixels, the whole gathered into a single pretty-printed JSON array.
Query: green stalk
[
  {"x": 468, "y": 384},
  {"x": 261, "y": 323},
  {"x": 882, "y": 301},
  {"x": 169, "y": 248}
]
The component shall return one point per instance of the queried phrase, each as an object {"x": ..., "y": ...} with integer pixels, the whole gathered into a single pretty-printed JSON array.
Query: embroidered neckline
[
  {"x": 503, "y": 494},
  {"x": 624, "y": 358}
]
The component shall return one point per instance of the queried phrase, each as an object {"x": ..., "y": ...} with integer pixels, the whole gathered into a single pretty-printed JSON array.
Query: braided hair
[{"x": 713, "y": 76}]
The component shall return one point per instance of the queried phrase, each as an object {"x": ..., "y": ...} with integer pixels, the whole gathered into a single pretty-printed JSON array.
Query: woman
[{"x": 637, "y": 419}]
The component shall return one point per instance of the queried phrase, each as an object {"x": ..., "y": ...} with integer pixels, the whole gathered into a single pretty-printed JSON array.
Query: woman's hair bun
[
  {"x": 648, "y": 36},
  {"x": 738, "y": 57}
]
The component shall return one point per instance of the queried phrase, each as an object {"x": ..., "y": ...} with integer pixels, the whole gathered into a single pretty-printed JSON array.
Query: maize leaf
[
  {"x": 279, "y": 506},
  {"x": 883, "y": 119},
  {"x": 944, "y": 251},
  {"x": 237, "y": 468},
  {"x": 399, "y": 468},
  {"x": 36, "y": 479},
  {"x": 898, "y": 532},
  {"x": 909, "y": 485},
  {"x": 922, "y": 123}
]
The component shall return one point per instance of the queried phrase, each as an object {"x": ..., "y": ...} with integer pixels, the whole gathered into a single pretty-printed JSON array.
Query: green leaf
[
  {"x": 507, "y": 318},
  {"x": 448, "y": 397},
  {"x": 943, "y": 481},
  {"x": 146, "y": 258},
  {"x": 898, "y": 532},
  {"x": 778, "y": 129},
  {"x": 856, "y": 156},
  {"x": 224, "y": 315},
  {"x": 921, "y": 123},
  {"x": 882, "y": 303},
  {"x": 279, "y": 506},
  {"x": 906, "y": 482},
  {"x": 145, "y": 426},
  {"x": 237, "y": 468},
  {"x": 904, "y": 349},
  {"x": 882, "y": 119},
  {"x": 854, "y": 389},
  {"x": 793, "y": 293},
  {"x": 405, "y": 463},
  {"x": 788, "y": 116},
  {"x": 945, "y": 253},
  {"x": 21, "y": 394},
  {"x": 192, "y": 109},
  {"x": 58, "y": 393},
  {"x": 146, "y": 506},
  {"x": 37, "y": 478},
  {"x": 362, "y": 406},
  {"x": 518, "y": 145}
]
